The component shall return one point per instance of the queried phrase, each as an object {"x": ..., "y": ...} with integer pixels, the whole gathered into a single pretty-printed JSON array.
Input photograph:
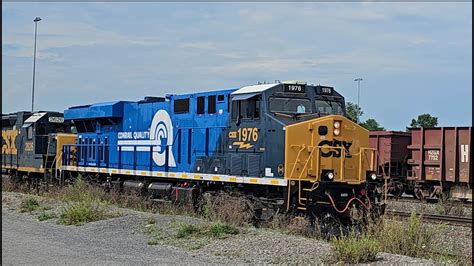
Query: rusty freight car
[
  {"x": 391, "y": 159},
  {"x": 440, "y": 162}
]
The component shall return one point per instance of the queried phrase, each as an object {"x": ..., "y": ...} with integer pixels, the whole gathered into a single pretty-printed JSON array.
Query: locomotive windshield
[
  {"x": 290, "y": 105},
  {"x": 329, "y": 107}
]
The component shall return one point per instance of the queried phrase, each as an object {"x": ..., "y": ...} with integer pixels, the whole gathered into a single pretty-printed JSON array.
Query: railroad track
[
  {"x": 416, "y": 201},
  {"x": 434, "y": 218}
]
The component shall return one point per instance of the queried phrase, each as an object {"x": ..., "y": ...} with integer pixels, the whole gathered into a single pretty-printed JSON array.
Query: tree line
[{"x": 354, "y": 112}]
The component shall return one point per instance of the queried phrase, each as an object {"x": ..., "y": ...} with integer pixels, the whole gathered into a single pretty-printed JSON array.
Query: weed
[
  {"x": 82, "y": 212},
  {"x": 46, "y": 216},
  {"x": 80, "y": 190},
  {"x": 409, "y": 239},
  {"x": 153, "y": 242},
  {"x": 29, "y": 204},
  {"x": 226, "y": 208},
  {"x": 220, "y": 230},
  {"x": 151, "y": 220},
  {"x": 186, "y": 230},
  {"x": 354, "y": 248}
]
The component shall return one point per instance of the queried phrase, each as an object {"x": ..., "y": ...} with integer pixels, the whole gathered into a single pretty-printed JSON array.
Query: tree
[
  {"x": 353, "y": 111},
  {"x": 371, "y": 125},
  {"x": 424, "y": 120}
]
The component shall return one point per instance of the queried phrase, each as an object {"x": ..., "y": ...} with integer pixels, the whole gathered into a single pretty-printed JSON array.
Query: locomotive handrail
[{"x": 83, "y": 155}]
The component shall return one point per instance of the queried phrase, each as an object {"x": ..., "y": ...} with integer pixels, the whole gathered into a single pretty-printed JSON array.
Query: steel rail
[{"x": 434, "y": 218}]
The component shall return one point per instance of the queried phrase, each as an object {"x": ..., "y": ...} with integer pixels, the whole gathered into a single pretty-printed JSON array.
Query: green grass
[
  {"x": 82, "y": 191},
  {"x": 82, "y": 212},
  {"x": 188, "y": 236},
  {"x": 187, "y": 230},
  {"x": 221, "y": 230},
  {"x": 46, "y": 216},
  {"x": 29, "y": 204},
  {"x": 354, "y": 248}
]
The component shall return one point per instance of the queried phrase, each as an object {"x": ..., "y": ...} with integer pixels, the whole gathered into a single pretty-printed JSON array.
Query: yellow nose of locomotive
[{"x": 331, "y": 148}]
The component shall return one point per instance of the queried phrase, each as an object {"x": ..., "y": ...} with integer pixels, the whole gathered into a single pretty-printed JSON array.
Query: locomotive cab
[{"x": 299, "y": 132}]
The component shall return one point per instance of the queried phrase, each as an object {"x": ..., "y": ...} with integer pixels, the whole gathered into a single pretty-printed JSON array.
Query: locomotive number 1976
[{"x": 245, "y": 134}]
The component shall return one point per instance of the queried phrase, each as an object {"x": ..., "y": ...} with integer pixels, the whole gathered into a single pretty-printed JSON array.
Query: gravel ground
[{"x": 123, "y": 240}]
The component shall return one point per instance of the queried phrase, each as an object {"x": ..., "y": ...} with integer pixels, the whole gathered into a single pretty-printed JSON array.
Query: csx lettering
[
  {"x": 335, "y": 152},
  {"x": 8, "y": 141}
]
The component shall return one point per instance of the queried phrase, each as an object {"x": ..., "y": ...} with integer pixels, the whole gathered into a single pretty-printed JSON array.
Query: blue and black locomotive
[{"x": 285, "y": 144}]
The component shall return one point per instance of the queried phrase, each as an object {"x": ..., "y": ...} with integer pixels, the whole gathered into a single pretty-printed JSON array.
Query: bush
[
  {"x": 29, "y": 204},
  {"x": 82, "y": 212},
  {"x": 354, "y": 248}
]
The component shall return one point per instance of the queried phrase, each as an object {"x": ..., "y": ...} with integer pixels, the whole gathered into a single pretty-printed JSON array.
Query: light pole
[
  {"x": 36, "y": 20},
  {"x": 358, "y": 95}
]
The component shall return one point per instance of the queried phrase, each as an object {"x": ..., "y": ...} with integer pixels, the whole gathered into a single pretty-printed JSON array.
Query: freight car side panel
[
  {"x": 392, "y": 152},
  {"x": 441, "y": 154}
]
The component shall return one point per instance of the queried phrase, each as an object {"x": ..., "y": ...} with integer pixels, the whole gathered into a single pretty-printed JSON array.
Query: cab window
[
  {"x": 329, "y": 107},
  {"x": 290, "y": 105},
  {"x": 246, "y": 109}
]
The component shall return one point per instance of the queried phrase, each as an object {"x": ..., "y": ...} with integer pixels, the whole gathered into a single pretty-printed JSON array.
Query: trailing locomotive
[
  {"x": 29, "y": 143},
  {"x": 429, "y": 163},
  {"x": 287, "y": 146}
]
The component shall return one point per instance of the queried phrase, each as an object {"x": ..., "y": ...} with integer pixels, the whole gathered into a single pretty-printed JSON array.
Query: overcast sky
[{"x": 414, "y": 58}]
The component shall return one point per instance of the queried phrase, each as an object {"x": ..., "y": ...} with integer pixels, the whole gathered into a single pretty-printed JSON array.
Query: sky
[{"x": 414, "y": 58}]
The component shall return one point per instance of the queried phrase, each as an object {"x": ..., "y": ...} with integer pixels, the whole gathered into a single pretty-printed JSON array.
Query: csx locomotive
[{"x": 287, "y": 146}]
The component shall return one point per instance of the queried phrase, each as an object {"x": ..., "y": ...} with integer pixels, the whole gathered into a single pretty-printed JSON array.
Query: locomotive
[
  {"x": 29, "y": 142},
  {"x": 287, "y": 146}
]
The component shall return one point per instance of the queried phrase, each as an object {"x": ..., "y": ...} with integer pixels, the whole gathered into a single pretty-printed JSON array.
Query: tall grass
[
  {"x": 84, "y": 211},
  {"x": 411, "y": 238}
]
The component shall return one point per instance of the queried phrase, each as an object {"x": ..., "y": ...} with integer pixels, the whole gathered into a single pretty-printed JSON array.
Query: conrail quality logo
[{"x": 158, "y": 139}]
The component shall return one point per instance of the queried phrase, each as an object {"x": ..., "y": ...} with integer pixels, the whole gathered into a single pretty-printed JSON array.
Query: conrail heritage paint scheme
[{"x": 286, "y": 145}]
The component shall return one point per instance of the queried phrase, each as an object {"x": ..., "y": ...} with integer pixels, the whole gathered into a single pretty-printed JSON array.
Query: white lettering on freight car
[
  {"x": 464, "y": 153},
  {"x": 433, "y": 155}
]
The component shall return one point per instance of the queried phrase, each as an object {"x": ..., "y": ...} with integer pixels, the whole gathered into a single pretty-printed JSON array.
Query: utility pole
[
  {"x": 358, "y": 96},
  {"x": 36, "y": 20}
]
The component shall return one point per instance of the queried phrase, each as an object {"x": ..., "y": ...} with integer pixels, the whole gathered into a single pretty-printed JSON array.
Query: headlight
[
  {"x": 337, "y": 131},
  {"x": 373, "y": 176},
  {"x": 337, "y": 124},
  {"x": 330, "y": 175}
]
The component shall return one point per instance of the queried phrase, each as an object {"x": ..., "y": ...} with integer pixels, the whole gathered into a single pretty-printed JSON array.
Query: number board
[
  {"x": 324, "y": 90},
  {"x": 53, "y": 119},
  {"x": 298, "y": 88}
]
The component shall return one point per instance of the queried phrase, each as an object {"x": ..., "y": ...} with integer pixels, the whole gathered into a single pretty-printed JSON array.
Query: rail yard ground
[{"x": 129, "y": 236}]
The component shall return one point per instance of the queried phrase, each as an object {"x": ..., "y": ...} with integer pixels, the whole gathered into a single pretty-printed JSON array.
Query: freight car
[
  {"x": 428, "y": 163},
  {"x": 29, "y": 143},
  {"x": 286, "y": 146}
]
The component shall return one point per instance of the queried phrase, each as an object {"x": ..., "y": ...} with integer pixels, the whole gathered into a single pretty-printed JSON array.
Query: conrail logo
[
  {"x": 155, "y": 140},
  {"x": 335, "y": 152}
]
